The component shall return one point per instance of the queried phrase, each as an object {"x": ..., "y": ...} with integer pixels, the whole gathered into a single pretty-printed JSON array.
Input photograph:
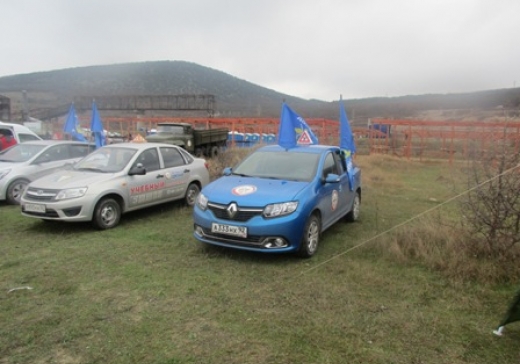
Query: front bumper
[
  {"x": 263, "y": 235},
  {"x": 73, "y": 210}
]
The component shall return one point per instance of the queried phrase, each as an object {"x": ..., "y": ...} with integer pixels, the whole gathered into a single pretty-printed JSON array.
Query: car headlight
[
  {"x": 280, "y": 209},
  {"x": 4, "y": 172},
  {"x": 71, "y": 193},
  {"x": 202, "y": 202}
]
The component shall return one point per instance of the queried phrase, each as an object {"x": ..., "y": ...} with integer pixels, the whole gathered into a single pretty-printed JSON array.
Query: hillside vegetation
[{"x": 234, "y": 97}]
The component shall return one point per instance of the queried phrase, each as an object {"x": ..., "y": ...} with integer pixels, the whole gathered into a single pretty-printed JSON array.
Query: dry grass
[{"x": 147, "y": 292}]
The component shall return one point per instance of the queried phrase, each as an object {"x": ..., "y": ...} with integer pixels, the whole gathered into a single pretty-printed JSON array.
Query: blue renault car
[{"x": 278, "y": 200}]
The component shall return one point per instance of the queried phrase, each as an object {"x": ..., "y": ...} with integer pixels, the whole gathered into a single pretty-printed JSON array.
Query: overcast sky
[{"x": 307, "y": 48}]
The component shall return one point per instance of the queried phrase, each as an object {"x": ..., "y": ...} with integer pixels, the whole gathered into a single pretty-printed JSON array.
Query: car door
[
  {"x": 147, "y": 189},
  {"x": 177, "y": 173},
  {"x": 332, "y": 196}
]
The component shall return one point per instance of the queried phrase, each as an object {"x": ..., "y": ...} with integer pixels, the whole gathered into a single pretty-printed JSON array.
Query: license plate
[
  {"x": 34, "y": 207},
  {"x": 240, "y": 231}
]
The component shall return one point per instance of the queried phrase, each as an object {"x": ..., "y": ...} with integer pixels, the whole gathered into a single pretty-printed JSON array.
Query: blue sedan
[{"x": 278, "y": 200}]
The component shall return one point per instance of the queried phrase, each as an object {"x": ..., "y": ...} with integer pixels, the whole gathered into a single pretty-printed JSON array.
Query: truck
[{"x": 206, "y": 142}]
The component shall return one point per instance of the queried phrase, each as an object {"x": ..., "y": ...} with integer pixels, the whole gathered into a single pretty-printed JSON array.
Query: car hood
[
  {"x": 70, "y": 179},
  {"x": 5, "y": 165},
  {"x": 249, "y": 191}
]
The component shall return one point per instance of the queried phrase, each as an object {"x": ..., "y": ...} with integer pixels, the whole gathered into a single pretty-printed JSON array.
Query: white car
[
  {"x": 26, "y": 162},
  {"x": 116, "y": 179},
  {"x": 21, "y": 133}
]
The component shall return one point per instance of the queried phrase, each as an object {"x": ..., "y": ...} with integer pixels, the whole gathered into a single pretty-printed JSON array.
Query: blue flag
[
  {"x": 96, "y": 127},
  {"x": 346, "y": 144},
  {"x": 294, "y": 130},
  {"x": 72, "y": 125}
]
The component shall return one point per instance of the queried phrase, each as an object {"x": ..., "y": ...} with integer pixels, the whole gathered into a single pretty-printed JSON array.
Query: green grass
[{"x": 148, "y": 292}]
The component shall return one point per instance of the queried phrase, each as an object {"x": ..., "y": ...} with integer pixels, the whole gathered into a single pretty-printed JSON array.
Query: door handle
[
  {"x": 186, "y": 171},
  {"x": 159, "y": 176}
]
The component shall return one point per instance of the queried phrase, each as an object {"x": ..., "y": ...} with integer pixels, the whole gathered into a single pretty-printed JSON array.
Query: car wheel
[
  {"x": 106, "y": 214},
  {"x": 191, "y": 194},
  {"x": 311, "y": 237},
  {"x": 15, "y": 191},
  {"x": 353, "y": 214},
  {"x": 214, "y": 151}
]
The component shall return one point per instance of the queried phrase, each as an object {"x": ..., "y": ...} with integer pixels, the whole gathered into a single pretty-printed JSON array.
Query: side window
[
  {"x": 26, "y": 137},
  {"x": 150, "y": 160},
  {"x": 329, "y": 166},
  {"x": 340, "y": 162},
  {"x": 79, "y": 150},
  {"x": 56, "y": 153},
  {"x": 171, "y": 157}
]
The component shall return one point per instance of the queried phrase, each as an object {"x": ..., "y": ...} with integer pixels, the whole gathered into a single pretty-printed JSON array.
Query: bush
[{"x": 491, "y": 210}]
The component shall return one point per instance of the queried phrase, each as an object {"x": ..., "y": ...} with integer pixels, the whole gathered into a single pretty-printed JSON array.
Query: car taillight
[{"x": 206, "y": 164}]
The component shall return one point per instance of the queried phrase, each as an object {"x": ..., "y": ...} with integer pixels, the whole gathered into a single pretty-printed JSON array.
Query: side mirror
[
  {"x": 138, "y": 170},
  {"x": 227, "y": 171},
  {"x": 332, "y": 178}
]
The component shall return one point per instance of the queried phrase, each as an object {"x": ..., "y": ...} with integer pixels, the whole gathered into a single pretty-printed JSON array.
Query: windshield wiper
[{"x": 241, "y": 174}]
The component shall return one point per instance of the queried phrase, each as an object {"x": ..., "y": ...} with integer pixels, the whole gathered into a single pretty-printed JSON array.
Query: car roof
[
  {"x": 139, "y": 146},
  {"x": 55, "y": 142},
  {"x": 15, "y": 125},
  {"x": 314, "y": 149}
]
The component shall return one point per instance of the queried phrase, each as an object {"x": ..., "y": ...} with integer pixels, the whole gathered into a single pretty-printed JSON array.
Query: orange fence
[
  {"x": 442, "y": 139},
  {"x": 404, "y": 138}
]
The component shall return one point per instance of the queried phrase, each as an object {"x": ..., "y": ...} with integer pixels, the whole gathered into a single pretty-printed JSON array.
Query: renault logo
[{"x": 232, "y": 210}]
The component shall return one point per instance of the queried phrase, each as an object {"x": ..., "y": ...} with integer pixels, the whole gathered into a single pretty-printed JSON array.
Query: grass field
[{"x": 148, "y": 292}]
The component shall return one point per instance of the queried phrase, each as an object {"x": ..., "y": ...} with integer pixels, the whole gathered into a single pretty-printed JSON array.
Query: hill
[{"x": 234, "y": 97}]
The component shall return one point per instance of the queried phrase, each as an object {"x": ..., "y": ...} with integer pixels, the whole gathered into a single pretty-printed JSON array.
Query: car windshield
[
  {"x": 106, "y": 160},
  {"x": 20, "y": 153},
  {"x": 280, "y": 165}
]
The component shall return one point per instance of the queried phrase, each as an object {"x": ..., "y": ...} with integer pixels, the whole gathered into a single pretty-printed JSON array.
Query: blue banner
[
  {"x": 96, "y": 127},
  {"x": 293, "y": 130},
  {"x": 72, "y": 126},
  {"x": 347, "y": 144}
]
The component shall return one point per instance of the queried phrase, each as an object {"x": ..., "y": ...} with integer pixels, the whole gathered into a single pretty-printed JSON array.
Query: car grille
[
  {"x": 241, "y": 214},
  {"x": 39, "y": 195}
]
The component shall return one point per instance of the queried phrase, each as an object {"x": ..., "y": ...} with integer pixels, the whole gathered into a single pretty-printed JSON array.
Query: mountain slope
[{"x": 234, "y": 97}]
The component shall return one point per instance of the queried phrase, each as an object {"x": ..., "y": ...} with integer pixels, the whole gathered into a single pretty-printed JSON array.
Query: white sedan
[
  {"x": 25, "y": 162},
  {"x": 116, "y": 179}
]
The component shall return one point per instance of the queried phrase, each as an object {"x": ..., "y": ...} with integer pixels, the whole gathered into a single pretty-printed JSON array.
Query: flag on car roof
[
  {"x": 72, "y": 126},
  {"x": 512, "y": 314},
  {"x": 96, "y": 127},
  {"x": 293, "y": 129},
  {"x": 346, "y": 144}
]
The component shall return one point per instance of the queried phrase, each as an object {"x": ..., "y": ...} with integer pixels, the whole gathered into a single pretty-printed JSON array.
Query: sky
[{"x": 318, "y": 49}]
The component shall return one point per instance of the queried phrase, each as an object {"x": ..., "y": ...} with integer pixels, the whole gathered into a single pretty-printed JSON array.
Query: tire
[
  {"x": 214, "y": 151},
  {"x": 353, "y": 214},
  {"x": 191, "y": 194},
  {"x": 311, "y": 237},
  {"x": 15, "y": 191},
  {"x": 106, "y": 214}
]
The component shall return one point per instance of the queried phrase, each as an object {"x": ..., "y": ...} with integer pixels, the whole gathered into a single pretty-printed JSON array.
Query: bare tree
[{"x": 492, "y": 208}]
